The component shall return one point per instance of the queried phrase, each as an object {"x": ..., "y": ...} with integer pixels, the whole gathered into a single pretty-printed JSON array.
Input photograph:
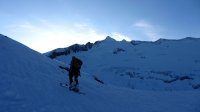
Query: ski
[{"x": 74, "y": 89}]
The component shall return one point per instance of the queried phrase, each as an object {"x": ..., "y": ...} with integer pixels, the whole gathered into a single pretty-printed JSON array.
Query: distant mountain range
[{"x": 161, "y": 65}]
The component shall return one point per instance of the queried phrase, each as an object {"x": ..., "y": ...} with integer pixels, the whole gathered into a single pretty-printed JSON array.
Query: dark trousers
[{"x": 73, "y": 74}]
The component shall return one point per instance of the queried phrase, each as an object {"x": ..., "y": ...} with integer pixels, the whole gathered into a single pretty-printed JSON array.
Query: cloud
[
  {"x": 119, "y": 37},
  {"x": 28, "y": 27},
  {"x": 44, "y": 35},
  {"x": 81, "y": 25},
  {"x": 149, "y": 30}
]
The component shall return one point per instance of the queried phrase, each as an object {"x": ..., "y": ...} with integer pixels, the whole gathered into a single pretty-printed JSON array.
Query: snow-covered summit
[
  {"x": 108, "y": 38},
  {"x": 78, "y": 48}
]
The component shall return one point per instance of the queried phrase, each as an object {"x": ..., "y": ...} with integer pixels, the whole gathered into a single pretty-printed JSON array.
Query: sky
[{"x": 44, "y": 25}]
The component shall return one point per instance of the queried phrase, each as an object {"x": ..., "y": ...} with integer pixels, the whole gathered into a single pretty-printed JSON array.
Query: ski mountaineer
[{"x": 74, "y": 71}]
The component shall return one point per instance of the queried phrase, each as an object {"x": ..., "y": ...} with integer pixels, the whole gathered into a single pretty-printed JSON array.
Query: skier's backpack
[{"x": 77, "y": 63}]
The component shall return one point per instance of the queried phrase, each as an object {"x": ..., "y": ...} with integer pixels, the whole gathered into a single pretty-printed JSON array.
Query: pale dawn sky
[{"x": 44, "y": 25}]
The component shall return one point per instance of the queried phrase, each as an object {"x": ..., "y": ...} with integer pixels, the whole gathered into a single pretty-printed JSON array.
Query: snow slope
[{"x": 29, "y": 82}]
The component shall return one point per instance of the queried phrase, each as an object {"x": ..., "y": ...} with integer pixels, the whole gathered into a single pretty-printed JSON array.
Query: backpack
[{"x": 76, "y": 63}]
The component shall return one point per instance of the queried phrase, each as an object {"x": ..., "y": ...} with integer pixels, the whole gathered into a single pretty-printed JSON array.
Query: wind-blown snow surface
[{"x": 29, "y": 82}]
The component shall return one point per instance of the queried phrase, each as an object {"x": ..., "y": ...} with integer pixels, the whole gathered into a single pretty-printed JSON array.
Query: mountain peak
[
  {"x": 190, "y": 38},
  {"x": 108, "y": 38}
]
